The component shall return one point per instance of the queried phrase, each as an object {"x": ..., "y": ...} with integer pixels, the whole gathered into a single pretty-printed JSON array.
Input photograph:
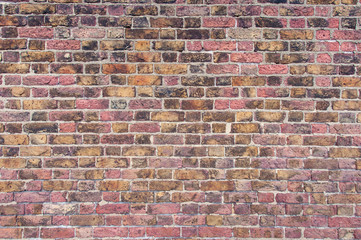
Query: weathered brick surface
[{"x": 180, "y": 119}]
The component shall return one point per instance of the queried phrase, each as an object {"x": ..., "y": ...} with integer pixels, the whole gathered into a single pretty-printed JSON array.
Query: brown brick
[
  {"x": 88, "y": 151},
  {"x": 143, "y": 197},
  {"x": 14, "y": 140},
  {"x": 195, "y": 57},
  {"x": 321, "y": 117},
  {"x": 165, "y": 185},
  {"x": 169, "y": 45},
  {"x": 66, "y": 68},
  {"x": 319, "y": 140},
  {"x": 12, "y": 44},
  {"x": 346, "y": 82},
  {"x": 321, "y": 69},
  {"x": 300, "y": 81},
  {"x": 144, "y": 57},
  {"x": 296, "y": 34},
  {"x": 63, "y": 139},
  {"x": 14, "y": 68},
  {"x": 59, "y": 185},
  {"x": 113, "y": 185},
  {"x": 248, "y": 81},
  {"x": 345, "y": 152},
  {"x": 37, "y": 9},
  {"x": 166, "y": 22},
  {"x": 218, "y": 186},
  {"x": 12, "y": 163},
  {"x": 218, "y": 117},
  {"x": 197, "y": 104},
  {"x": 245, "y": 128},
  {"x": 118, "y": 92},
  {"x": 110, "y": 162},
  {"x": 170, "y": 69},
  {"x": 138, "y": 151},
  {"x": 35, "y": 151},
  {"x": 346, "y": 105},
  {"x": 118, "y": 68},
  {"x": 144, "y": 80},
  {"x": 242, "y": 174},
  {"x": 271, "y": 46},
  {"x": 115, "y": 45},
  {"x": 86, "y": 220},
  {"x": 193, "y": 34},
  {"x": 39, "y": 104},
  {"x": 323, "y": 2},
  {"x": 241, "y": 151},
  {"x": 12, "y": 186},
  {"x": 37, "y": 57},
  {"x": 142, "y": 10},
  {"x": 190, "y": 174},
  {"x": 270, "y": 116},
  {"x": 141, "y": 33},
  {"x": 85, "y": 196}
]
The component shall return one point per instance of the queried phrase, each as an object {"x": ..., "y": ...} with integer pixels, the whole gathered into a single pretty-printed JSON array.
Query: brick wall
[{"x": 180, "y": 119}]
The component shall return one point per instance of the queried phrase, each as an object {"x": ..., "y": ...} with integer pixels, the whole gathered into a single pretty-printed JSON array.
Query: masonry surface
[{"x": 180, "y": 119}]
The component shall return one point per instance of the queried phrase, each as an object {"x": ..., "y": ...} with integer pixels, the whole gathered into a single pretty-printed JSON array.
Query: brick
[
  {"x": 167, "y": 116},
  {"x": 245, "y": 128},
  {"x": 88, "y": 33},
  {"x": 138, "y": 151},
  {"x": 12, "y": 186},
  {"x": 244, "y": 33},
  {"x": 246, "y": 57},
  {"x": 296, "y": 34},
  {"x": 39, "y": 104},
  {"x": 66, "y": 68},
  {"x": 271, "y": 46},
  {"x": 57, "y": 232},
  {"x": 219, "y": 22},
  {"x": 115, "y": 45},
  {"x": 321, "y": 117},
  {"x": 14, "y": 140},
  {"x": 197, "y": 104},
  {"x": 193, "y": 34},
  {"x": 12, "y": 44},
  {"x": 119, "y": 92},
  {"x": 118, "y": 68},
  {"x": 42, "y": 33},
  {"x": 113, "y": 185},
  {"x": 169, "y": 69},
  {"x": 169, "y": 45},
  {"x": 141, "y": 34},
  {"x": 270, "y": 116},
  {"x": 37, "y": 9},
  {"x": 166, "y": 22},
  {"x": 14, "y": 68},
  {"x": 90, "y": 220}
]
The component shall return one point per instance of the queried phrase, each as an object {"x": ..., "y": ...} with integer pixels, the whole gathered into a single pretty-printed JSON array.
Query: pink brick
[
  {"x": 215, "y": 232},
  {"x": 219, "y": 46},
  {"x": 273, "y": 69},
  {"x": 219, "y": 22},
  {"x": 92, "y": 104},
  {"x": 39, "y": 32},
  {"x": 163, "y": 232},
  {"x": 63, "y": 44}
]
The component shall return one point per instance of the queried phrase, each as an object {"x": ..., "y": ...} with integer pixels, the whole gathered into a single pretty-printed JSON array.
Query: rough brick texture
[{"x": 180, "y": 119}]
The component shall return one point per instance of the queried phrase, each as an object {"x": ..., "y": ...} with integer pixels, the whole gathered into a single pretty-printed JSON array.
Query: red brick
[
  {"x": 163, "y": 232},
  {"x": 57, "y": 232}
]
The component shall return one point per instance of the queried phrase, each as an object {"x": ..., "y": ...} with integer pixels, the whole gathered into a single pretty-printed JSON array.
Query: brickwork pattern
[{"x": 180, "y": 119}]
